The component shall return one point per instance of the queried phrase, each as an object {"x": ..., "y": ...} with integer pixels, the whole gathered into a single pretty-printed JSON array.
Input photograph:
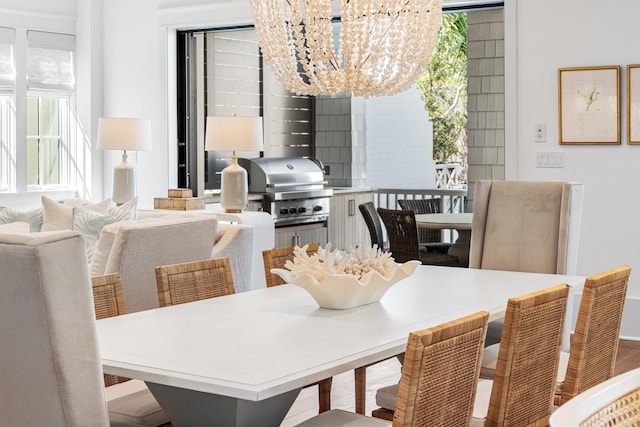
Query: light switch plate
[{"x": 549, "y": 159}]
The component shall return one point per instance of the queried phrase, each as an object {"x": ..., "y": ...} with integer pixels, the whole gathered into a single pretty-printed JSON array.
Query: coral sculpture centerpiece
[{"x": 344, "y": 279}]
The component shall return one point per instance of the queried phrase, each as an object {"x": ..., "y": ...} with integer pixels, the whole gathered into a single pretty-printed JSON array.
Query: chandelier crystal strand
[{"x": 382, "y": 48}]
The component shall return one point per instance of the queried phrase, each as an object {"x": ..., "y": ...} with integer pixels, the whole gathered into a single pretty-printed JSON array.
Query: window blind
[
  {"x": 7, "y": 62},
  {"x": 50, "y": 61}
]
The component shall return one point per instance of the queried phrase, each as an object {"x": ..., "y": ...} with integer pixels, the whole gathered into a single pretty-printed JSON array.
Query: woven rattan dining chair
[
  {"x": 592, "y": 356},
  {"x": 438, "y": 382},
  {"x": 428, "y": 238},
  {"x": 194, "y": 281},
  {"x": 129, "y": 401},
  {"x": 371, "y": 218},
  {"x": 522, "y": 390},
  {"x": 402, "y": 233},
  {"x": 276, "y": 258}
]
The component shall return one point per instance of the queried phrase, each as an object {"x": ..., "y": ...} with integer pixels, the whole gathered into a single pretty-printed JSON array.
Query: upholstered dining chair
[
  {"x": 194, "y": 281},
  {"x": 402, "y": 233},
  {"x": 529, "y": 226},
  {"x": 50, "y": 359},
  {"x": 438, "y": 382},
  {"x": 129, "y": 401},
  {"x": 428, "y": 238},
  {"x": 372, "y": 219},
  {"x": 277, "y": 257},
  {"x": 523, "y": 387}
]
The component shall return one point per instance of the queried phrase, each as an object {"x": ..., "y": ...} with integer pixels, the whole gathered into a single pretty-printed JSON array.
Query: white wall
[
  {"x": 542, "y": 36},
  {"x": 399, "y": 142}
]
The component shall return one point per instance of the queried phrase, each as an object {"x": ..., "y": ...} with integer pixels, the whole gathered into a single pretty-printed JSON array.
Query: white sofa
[{"x": 134, "y": 248}]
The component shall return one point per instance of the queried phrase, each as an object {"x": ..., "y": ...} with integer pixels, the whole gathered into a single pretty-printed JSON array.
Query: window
[
  {"x": 7, "y": 109},
  {"x": 46, "y": 118},
  {"x": 50, "y": 84}
]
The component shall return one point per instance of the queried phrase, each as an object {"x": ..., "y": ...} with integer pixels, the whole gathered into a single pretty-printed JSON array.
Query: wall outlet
[{"x": 549, "y": 159}]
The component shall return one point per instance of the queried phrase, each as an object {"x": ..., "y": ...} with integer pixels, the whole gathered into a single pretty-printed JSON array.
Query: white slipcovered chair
[
  {"x": 50, "y": 361},
  {"x": 136, "y": 248},
  {"x": 529, "y": 226}
]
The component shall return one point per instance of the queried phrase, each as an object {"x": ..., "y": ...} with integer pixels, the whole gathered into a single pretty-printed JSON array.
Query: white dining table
[
  {"x": 461, "y": 222},
  {"x": 241, "y": 360}
]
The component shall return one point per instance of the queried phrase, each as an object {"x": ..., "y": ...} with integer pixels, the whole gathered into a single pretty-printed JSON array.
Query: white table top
[
  {"x": 458, "y": 221},
  {"x": 259, "y": 344}
]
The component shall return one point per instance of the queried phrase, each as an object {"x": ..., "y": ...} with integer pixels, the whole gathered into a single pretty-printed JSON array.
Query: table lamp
[
  {"x": 124, "y": 134},
  {"x": 234, "y": 134}
]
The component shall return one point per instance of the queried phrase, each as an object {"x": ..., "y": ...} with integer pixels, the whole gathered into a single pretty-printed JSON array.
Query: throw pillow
[
  {"x": 33, "y": 217},
  {"x": 18, "y": 227},
  {"x": 90, "y": 223},
  {"x": 58, "y": 216}
]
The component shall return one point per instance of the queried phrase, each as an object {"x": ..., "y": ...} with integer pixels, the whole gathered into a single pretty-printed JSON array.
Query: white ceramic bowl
[{"x": 342, "y": 291}]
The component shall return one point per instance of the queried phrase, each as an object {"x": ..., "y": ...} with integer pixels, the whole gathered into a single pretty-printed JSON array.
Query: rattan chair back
[
  {"x": 194, "y": 281},
  {"x": 371, "y": 218},
  {"x": 592, "y": 356},
  {"x": 108, "y": 301},
  {"x": 424, "y": 206},
  {"x": 276, "y": 258},
  {"x": 440, "y": 374},
  {"x": 525, "y": 378},
  {"x": 402, "y": 233}
]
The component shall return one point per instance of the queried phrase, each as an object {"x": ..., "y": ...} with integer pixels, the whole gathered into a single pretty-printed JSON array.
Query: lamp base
[
  {"x": 234, "y": 187},
  {"x": 124, "y": 181}
]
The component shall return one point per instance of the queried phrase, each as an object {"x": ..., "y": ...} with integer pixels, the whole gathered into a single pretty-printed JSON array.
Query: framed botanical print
[
  {"x": 633, "y": 104},
  {"x": 589, "y": 105}
]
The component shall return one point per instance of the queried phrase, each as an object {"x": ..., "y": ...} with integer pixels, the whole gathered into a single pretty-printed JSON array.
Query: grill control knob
[
  {"x": 284, "y": 211},
  {"x": 317, "y": 208},
  {"x": 302, "y": 209},
  {"x": 293, "y": 210}
]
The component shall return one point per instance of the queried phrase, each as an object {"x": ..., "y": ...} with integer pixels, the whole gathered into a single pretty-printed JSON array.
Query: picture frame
[
  {"x": 589, "y": 105},
  {"x": 633, "y": 104}
]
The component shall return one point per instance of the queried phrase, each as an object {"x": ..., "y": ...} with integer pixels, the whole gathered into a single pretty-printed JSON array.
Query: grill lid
[{"x": 283, "y": 174}]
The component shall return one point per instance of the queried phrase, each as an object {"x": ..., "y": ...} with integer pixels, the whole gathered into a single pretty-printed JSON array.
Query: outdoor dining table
[
  {"x": 461, "y": 222},
  {"x": 241, "y": 360}
]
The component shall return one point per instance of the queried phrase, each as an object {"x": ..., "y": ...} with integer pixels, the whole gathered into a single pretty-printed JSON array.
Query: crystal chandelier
[{"x": 382, "y": 48}]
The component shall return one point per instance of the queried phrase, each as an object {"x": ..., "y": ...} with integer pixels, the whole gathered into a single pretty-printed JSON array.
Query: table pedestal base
[
  {"x": 460, "y": 247},
  {"x": 189, "y": 408}
]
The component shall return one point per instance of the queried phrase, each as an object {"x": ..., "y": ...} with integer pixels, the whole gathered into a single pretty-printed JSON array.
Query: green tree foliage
[{"x": 444, "y": 88}]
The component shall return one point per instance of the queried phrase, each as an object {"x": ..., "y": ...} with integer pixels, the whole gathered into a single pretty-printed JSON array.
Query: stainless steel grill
[{"x": 293, "y": 188}]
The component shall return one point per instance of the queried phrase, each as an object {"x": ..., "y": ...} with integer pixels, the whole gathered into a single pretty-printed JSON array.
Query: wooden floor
[{"x": 388, "y": 372}]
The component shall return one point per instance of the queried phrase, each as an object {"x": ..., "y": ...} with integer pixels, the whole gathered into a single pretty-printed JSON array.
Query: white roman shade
[
  {"x": 7, "y": 62},
  {"x": 50, "y": 61}
]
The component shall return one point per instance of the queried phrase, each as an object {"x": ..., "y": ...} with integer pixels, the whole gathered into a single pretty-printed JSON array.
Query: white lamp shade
[
  {"x": 233, "y": 134},
  {"x": 124, "y": 134}
]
